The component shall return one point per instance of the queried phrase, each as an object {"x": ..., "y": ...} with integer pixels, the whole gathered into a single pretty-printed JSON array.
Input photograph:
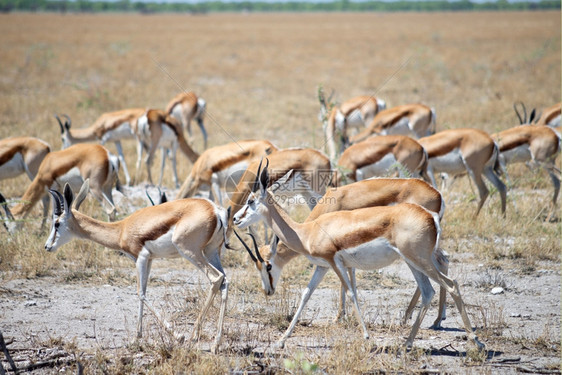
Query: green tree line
[{"x": 262, "y": 6}]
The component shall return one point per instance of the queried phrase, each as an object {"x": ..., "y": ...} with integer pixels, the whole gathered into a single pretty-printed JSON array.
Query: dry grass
[{"x": 259, "y": 75}]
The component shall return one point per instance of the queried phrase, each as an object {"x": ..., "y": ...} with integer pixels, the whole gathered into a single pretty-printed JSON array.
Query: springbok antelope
[
  {"x": 72, "y": 165},
  {"x": 537, "y": 144},
  {"x": 187, "y": 106},
  {"x": 109, "y": 127},
  {"x": 354, "y": 113},
  {"x": 19, "y": 155},
  {"x": 192, "y": 228},
  {"x": 313, "y": 165},
  {"x": 550, "y": 116},
  {"x": 472, "y": 151},
  {"x": 220, "y": 163},
  {"x": 380, "y": 156},
  {"x": 414, "y": 120},
  {"x": 155, "y": 129},
  {"x": 366, "y": 238},
  {"x": 367, "y": 193}
]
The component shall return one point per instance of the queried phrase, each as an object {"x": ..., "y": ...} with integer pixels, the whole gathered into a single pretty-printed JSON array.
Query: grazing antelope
[
  {"x": 187, "y": 106},
  {"x": 220, "y": 163},
  {"x": 549, "y": 117},
  {"x": 380, "y": 156},
  {"x": 414, "y": 120},
  {"x": 156, "y": 129},
  {"x": 472, "y": 151},
  {"x": 313, "y": 166},
  {"x": 354, "y": 113},
  {"x": 20, "y": 155},
  {"x": 192, "y": 228},
  {"x": 72, "y": 165},
  {"x": 366, "y": 238},
  {"x": 538, "y": 144},
  {"x": 109, "y": 127},
  {"x": 362, "y": 194}
]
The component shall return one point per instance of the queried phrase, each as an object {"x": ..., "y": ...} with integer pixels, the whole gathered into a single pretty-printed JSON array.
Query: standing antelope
[
  {"x": 313, "y": 165},
  {"x": 414, "y": 120},
  {"x": 20, "y": 155},
  {"x": 472, "y": 151},
  {"x": 366, "y": 238},
  {"x": 217, "y": 164},
  {"x": 354, "y": 113},
  {"x": 109, "y": 127},
  {"x": 187, "y": 106},
  {"x": 538, "y": 144},
  {"x": 380, "y": 156},
  {"x": 362, "y": 194},
  {"x": 156, "y": 129},
  {"x": 192, "y": 228},
  {"x": 72, "y": 165}
]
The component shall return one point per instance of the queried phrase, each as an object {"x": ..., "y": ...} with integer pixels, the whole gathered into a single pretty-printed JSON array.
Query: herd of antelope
[{"x": 359, "y": 217}]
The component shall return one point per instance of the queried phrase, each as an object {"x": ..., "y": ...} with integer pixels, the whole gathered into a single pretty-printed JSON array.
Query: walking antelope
[
  {"x": 538, "y": 144},
  {"x": 217, "y": 164},
  {"x": 157, "y": 129},
  {"x": 270, "y": 259},
  {"x": 313, "y": 165},
  {"x": 472, "y": 151},
  {"x": 72, "y": 165},
  {"x": 109, "y": 127},
  {"x": 380, "y": 156},
  {"x": 366, "y": 238},
  {"x": 187, "y": 106},
  {"x": 414, "y": 120},
  {"x": 19, "y": 155},
  {"x": 192, "y": 228},
  {"x": 354, "y": 113}
]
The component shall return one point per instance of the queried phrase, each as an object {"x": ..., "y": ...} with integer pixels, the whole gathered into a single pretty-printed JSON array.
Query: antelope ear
[
  {"x": 273, "y": 245},
  {"x": 68, "y": 197},
  {"x": 81, "y": 194},
  {"x": 57, "y": 204},
  {"x": 264, "y": 178}
]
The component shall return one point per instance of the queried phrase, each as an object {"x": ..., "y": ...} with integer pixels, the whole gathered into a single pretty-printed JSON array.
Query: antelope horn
[
  {"x": 60, "y": 123},
  {"x": 246, "y": 247}
]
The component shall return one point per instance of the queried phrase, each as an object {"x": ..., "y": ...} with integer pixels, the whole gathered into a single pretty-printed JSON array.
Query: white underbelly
[
  {"x": 519, "y": 154},
  {"x": 451, "y": 163},
  {"x": 168, "y": 138},
  {"x": 163, "y": 247},
  {"x": 380, "y": 168},
  {"x": 555, "y": 122},
  {"x": 72, "y": 177},
  {"x": 401, "y": 127},
  {"x": 318, "y": 261},
  {"x": 372, "y": 255},
  {"x": 123, "y": 131},
  {"x": 355, "y": 120},
  {"x": 13, "y": 167},
  {"x": 229, "y": 177}
]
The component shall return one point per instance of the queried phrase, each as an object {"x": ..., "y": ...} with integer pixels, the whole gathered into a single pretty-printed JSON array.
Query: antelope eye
[{"x": 268, "y": 267}]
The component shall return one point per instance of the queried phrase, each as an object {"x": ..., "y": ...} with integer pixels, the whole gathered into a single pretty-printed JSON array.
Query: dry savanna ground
[{"x": 76, "y": 309}]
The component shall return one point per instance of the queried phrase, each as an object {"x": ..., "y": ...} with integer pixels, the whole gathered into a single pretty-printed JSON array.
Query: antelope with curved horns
[
  {"x": 194, "y": 229},
  {"x": 549, "y": 117},
  {"x": 380, "y": 156},
  {"x": 72, "y": 165},
  {"x": 156, "y": 129},
  {"x": 354, "y": 113},
  {"x": 538, "y": 144},
  {"x": 217, "y": 164},
  {"x": 366, "y": 238},
  {"x": 187, "y": 106},
  {"x": 313, "y": 165},
  {"x": 414, "y": 120},
  {"x": 271, "y": 259},
  {"x": 109, "y": 127},
  {"x": 472, "y": 151},
  {"x": 19, "y": 155}
]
